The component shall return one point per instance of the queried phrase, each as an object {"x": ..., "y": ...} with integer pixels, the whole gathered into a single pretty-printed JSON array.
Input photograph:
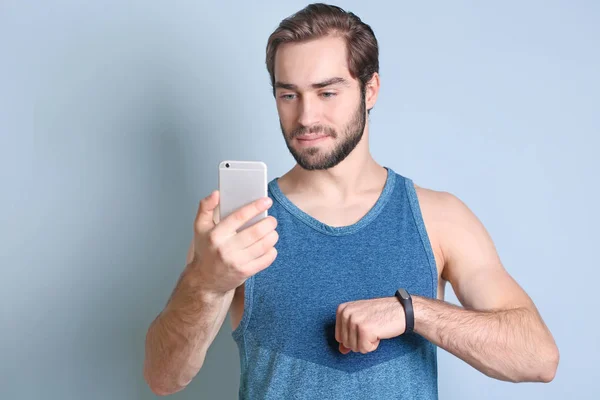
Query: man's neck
[{"x": 350, "y": 178}]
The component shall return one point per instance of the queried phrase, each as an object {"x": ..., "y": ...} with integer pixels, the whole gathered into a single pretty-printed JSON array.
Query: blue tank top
[{"x": 286, "y": 337}]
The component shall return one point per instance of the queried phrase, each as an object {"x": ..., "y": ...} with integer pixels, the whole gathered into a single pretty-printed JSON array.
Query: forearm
[
  {"x": 178, "y": 339},
  {"x": 512, "y": 345}
]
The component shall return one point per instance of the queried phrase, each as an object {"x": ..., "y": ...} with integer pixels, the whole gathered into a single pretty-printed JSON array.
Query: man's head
[{"x": 323, "y": 64}]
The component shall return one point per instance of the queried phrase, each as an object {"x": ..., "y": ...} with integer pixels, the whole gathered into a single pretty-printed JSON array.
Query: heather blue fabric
[{"x": 286, "y": 338}]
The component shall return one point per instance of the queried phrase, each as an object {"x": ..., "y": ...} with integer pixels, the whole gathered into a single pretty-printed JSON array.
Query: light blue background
[{"x": 114, "y": 116}]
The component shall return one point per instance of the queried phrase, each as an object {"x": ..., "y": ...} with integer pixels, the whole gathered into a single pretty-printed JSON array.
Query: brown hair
[{"x": 318, "y": 20}]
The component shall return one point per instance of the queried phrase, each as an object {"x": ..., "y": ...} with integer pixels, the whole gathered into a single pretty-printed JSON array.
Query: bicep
[{"x": 473, "y": 266}]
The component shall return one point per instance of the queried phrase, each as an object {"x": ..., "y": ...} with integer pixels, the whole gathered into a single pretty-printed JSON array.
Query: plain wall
[{"x": 114, "y": 116}]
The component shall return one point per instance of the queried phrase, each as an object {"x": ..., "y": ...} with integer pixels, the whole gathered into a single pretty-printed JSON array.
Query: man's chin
[
  {"x": 313, "y": 167},
  {"x": 314, "y": 163},
  {"x": 311, "y": 159}
]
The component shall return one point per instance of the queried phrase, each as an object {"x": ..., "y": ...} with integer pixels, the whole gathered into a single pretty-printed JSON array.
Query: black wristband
[{"x": 406, "y": 302}]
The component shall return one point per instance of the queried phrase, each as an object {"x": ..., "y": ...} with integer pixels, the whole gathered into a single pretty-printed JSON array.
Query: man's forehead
[{"x": 311, "y": 62}]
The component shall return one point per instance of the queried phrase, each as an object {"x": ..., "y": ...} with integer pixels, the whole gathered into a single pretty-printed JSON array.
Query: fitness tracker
[{"x": 406, "y": 302}]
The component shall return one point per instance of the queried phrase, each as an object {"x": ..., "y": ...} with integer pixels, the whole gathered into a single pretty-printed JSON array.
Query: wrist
[
  {"x": 419, "y": 305},
  {"x": 189, "y": 297},
  {"x": 405, "y": 300},
  {"x": 187, "y": 307},
  {"x": 193, "y": 284}
]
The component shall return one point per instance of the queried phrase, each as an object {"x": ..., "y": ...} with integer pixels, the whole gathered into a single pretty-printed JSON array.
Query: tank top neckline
[{"x": 326, "y": 229}]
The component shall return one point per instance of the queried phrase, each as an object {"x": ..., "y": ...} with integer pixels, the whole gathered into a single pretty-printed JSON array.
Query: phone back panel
[{"x": 241, "y": 183}]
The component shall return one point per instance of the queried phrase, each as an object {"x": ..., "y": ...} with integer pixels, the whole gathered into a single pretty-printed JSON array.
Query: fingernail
[{"x": 267, "y": 201}]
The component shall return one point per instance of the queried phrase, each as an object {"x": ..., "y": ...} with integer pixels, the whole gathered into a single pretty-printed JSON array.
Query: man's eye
[
  {"x": 328, "y": 94},
  {"x": 287, "y": 96}
]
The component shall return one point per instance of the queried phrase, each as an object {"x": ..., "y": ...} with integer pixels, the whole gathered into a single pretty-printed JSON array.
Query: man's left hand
[{"x": 360, "y": 325}]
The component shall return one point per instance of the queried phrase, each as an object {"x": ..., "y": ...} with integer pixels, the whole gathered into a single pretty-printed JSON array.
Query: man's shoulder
[
  {"x": 437, "y": 201},
  {"x": 444, "y": 214},
  {"x": 448, "y": 219}
]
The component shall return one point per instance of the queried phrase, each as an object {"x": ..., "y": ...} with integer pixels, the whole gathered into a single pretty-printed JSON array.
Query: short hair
[{"x": 320, "y": 20}]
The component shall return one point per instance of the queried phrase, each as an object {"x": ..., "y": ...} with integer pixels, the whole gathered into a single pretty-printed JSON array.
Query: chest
[
  {"x": 315, "y": 273},
  {"x": 294, "y": 301},
  {"x": 338, "y": 214}
]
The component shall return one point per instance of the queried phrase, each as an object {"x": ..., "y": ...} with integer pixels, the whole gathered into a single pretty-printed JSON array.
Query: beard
[{"x": 314, "y": 158}]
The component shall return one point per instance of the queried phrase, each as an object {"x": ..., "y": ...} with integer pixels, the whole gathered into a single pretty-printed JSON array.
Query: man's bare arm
[
  {"x": 179, "y": 337},
  {"x": 511, "y": 345},
  {"x": 220, "y": 259},
  {"x": 498, "y": 330}
]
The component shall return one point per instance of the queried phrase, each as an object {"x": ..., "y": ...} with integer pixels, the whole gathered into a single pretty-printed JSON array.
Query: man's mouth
[{"x": 310, "y": 138}]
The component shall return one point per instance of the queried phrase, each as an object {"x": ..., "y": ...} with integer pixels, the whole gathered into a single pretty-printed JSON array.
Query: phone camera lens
[{"x": 227, "y": 165}]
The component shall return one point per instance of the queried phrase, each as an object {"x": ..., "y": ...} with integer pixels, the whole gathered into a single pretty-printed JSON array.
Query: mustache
[{"x": 317, "y": 129}]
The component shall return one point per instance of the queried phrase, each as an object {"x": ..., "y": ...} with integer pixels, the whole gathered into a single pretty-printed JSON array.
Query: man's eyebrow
[
  {"x": 318, "y": 85},
  {"x": 332, "y": 81},
  {"x": 284, "y": 85}
]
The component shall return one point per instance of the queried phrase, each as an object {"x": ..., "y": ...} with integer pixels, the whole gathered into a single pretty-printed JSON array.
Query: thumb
[
  {"x": 375, "y": 345},
  {"x": 206, "y": 211}
]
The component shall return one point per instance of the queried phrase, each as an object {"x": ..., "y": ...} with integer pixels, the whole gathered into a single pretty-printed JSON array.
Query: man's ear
[{"x": 372, "y": 91}]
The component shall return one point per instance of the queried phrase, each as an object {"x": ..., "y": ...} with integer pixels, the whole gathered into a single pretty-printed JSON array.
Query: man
[{"x": 339, "y": 292}]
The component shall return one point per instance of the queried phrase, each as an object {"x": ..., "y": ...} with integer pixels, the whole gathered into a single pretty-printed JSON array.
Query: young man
[{"x": 339, "y": 292}]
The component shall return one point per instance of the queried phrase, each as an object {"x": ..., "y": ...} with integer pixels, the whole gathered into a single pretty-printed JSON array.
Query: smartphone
[{"x": 241, "y": 183}]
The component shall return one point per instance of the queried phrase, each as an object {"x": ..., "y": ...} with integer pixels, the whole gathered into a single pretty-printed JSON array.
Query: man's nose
[{"x": 309, "y": 112}]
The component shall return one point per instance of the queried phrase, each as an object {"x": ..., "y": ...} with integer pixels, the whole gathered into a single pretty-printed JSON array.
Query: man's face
[{"x": 321, "y": 108}]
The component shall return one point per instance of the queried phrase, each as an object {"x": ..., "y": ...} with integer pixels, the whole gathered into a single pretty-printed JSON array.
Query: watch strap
[{"x": 406, "y": 301}]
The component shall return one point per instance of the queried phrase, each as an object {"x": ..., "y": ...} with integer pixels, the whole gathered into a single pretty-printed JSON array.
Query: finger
[
  {"x": 262, "y": 262},
  {"x": 229, "y": 225},
  {"x": 345, "y": 333},
  {"x": 360, "y": 341},
  {"x": 204, "y": 217},
  {"x": 216, "y": 215},
  {"x": 374, "y": 345},
  {"x": 338, "y": 322},
  {"x": 365, "y": 341},
  {"x": 253, "y": 234},
  {"x": 353, "y": 338},
  {"x": 344, "y": 349},
  {"x": 244, "y": 256}
]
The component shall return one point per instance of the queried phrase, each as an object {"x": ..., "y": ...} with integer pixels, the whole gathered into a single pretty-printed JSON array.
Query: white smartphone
[{"x": 240, "y": 183}]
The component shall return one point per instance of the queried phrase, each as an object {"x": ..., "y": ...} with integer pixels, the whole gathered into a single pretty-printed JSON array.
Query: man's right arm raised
[{"x": 219, "y": 260}]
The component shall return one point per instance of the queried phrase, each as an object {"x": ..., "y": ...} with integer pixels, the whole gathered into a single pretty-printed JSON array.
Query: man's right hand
[{"x": 224, "y": 258}]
